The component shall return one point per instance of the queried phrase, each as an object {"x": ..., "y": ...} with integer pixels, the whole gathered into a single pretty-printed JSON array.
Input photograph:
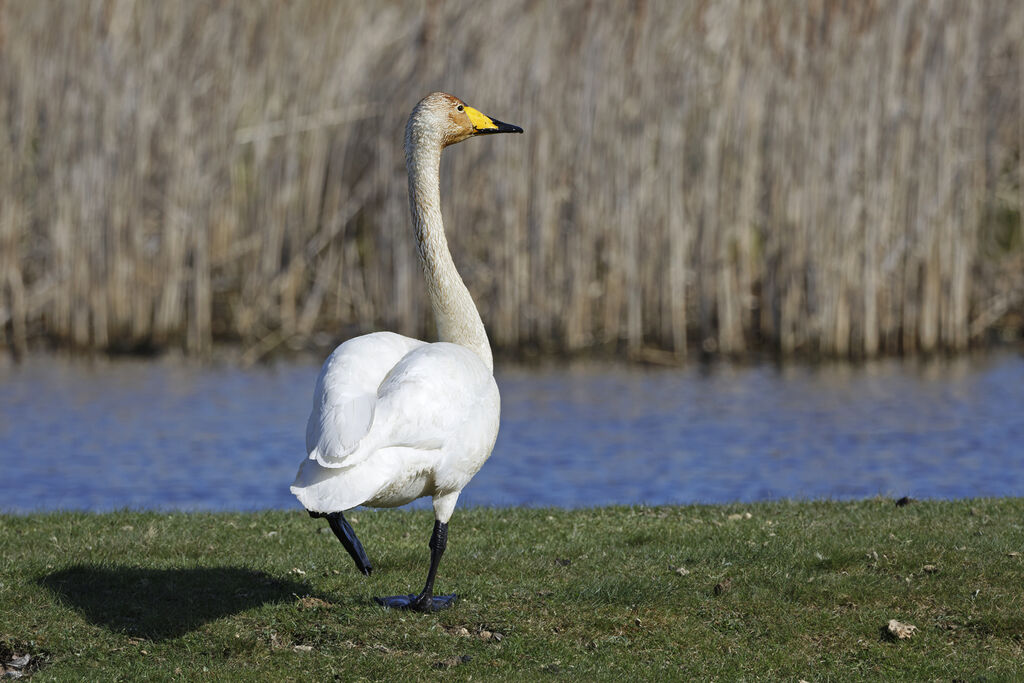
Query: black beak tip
[{"x": 503, "y": 127}]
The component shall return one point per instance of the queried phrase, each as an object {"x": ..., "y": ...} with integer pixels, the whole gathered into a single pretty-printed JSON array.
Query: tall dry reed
[{"x": 823, "y": 177}]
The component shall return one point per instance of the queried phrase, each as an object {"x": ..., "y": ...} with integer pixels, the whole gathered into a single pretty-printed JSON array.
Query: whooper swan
[{"x": 394, "y": 418}]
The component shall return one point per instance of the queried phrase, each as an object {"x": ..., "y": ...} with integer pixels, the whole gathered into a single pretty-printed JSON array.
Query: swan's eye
[{"x": 460, "y": 108}]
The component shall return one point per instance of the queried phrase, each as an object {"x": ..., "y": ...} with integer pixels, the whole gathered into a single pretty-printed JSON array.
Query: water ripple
[{"x": 116, "y": 434}]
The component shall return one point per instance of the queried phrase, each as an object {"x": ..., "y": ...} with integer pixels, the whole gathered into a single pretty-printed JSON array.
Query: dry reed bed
[{"x": 822, "y": 177}]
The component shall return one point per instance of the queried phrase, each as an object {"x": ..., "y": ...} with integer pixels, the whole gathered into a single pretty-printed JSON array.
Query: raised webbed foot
[{"x": 343, "y": 530}]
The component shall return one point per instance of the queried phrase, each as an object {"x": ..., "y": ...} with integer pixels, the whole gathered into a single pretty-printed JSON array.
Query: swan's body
[{"x": 396, "y": 418}]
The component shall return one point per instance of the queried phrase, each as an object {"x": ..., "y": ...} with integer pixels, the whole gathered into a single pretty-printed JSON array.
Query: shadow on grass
[{"x": 158, "y": 604}]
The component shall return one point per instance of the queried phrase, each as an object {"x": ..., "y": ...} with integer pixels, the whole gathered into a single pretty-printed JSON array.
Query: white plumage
[{"x": 396, "y": 418}]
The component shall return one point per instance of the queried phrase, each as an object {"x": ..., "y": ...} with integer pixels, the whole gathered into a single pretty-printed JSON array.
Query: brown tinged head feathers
[{"x": 450, "y": 120}]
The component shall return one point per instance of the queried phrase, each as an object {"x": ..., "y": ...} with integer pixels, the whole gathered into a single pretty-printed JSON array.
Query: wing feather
[
  {"x": 345, "y": 399},
  {"x": 423, "y": 403}
]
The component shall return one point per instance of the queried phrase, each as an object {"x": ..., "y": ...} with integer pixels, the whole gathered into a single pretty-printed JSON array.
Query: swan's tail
[{"x": 323, "y": 490}]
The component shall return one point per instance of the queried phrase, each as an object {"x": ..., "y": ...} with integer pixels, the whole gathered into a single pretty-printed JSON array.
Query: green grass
[{"x": 803, "y": 591}]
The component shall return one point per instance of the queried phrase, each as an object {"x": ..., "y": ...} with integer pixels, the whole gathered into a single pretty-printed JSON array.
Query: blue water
[{"x": 105, "y": 435}]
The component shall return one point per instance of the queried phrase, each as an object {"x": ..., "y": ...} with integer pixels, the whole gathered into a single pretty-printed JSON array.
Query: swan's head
[{"x": 445, "y": 120}]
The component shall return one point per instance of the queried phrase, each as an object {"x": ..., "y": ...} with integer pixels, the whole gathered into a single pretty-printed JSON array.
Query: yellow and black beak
[{"x": 484, "y": 124}]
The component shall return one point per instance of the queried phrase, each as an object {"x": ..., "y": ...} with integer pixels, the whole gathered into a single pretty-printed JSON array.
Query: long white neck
[{"x": 458, "y": 320}]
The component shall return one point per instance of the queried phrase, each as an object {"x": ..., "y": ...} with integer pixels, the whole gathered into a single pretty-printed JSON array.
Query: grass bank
[{"x": 768, "y": 591}]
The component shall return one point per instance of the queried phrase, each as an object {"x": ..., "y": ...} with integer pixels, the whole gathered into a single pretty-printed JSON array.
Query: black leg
[
  {"x": 426, "y": 601},
  {"x": 343, "y": 530}
]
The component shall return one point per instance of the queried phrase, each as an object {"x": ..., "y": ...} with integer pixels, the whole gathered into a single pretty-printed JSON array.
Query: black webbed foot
[
  {"x": 426, "y": 601},
  {"x": 343, "y": 530},
  {"x": 418, "y": 603}
]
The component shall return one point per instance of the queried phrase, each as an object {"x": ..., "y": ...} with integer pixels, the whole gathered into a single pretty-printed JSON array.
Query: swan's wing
[
  {"x": 345, "y": 398},
  {"x": 432, "y": 395},
  {"x": 436, "y": 397}
]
